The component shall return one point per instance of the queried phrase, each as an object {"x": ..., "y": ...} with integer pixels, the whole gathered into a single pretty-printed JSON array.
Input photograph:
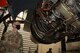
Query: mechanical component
[
  {"x": 49, "y": 23},
  {"x": 46, "y": 27},
  {"x": 77, "y": 2},
  {"x": 70, "y": 18},
  {"x": 78, "y": 5},
  {"x": 69, "y": 12}
]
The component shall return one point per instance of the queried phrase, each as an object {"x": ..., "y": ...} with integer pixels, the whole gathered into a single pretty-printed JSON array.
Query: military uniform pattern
[{"x": 12, "y": 42}]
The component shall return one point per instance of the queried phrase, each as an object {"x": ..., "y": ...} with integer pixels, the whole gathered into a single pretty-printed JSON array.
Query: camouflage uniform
[{"x": 12, "y": 42}]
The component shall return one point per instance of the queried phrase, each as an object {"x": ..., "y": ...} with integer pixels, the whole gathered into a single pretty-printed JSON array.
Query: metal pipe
[{"x": 70, "y": 17}]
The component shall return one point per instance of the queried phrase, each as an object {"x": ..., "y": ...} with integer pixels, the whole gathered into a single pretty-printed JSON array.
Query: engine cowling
[{"x": 46, "y": 27}]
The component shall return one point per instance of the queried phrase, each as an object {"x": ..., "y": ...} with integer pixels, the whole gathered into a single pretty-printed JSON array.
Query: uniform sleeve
[
  {"x": 21, "y": 44},
  {"x": 5, "y": 37},
  {"x": 5, "y": 41}
]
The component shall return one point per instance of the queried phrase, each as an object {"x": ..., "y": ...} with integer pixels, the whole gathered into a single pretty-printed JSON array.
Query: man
[
  {"x": 50, "y": 50},
  {"x": 13, "y": 41}
]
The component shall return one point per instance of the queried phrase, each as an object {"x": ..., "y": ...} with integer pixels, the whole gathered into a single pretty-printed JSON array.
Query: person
[
  {"x": 50, "y": 50},
  {"x": 36, "y": 51},
  {"x": 13, "y": 42}
]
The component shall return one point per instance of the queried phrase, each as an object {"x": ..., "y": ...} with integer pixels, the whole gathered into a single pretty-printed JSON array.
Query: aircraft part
[
  {"x": 46, "y": 30},
  {"x": 47, "y": 27}
]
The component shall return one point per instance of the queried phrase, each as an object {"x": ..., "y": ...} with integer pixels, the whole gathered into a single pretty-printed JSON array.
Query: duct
[
  {"x": 70, "y": 18},
  {"x": 47, "y": 28},
  {"x": 47, "y": 31},
  {"x": 43, "y": 34}
]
